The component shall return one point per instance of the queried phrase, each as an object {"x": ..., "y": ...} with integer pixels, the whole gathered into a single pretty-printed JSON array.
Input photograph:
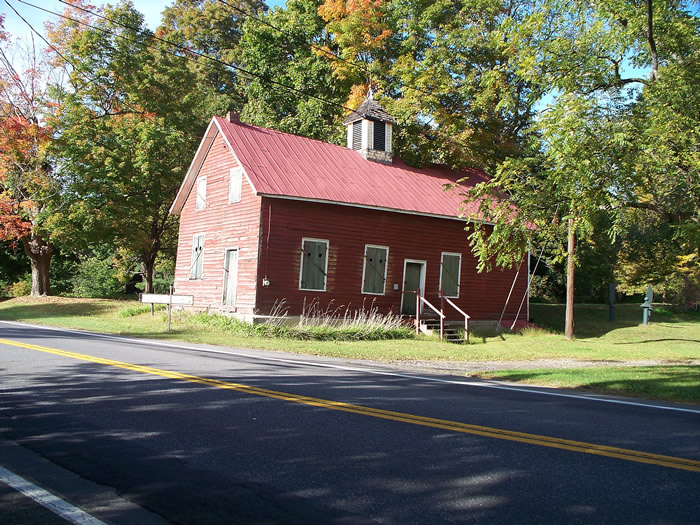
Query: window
[
  {"x": 449, "y": 274},
  {"x": 379, "y": 139},
  {"x": 235, "y": 183},
  {"x": 201, "y": 193},
  {"x": 374, "y": 272},
  {"x": 197, "y": 256},
  {"x": 357, "y": 135},
  {"x": 314, "y": 265}
]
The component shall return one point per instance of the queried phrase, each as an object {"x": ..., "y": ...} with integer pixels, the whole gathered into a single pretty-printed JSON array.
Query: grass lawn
[
  {"x": 677, "y": 382},
  {"x": 673, "y": 338}
]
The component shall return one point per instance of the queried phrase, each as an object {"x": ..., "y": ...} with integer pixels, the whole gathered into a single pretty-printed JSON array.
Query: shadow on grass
[
  {"x": 668, "y": 339},
  {"x": 592, "y": 320},
  {"x": 32, "y": 311},
  {"x": 671, "y": 383}
]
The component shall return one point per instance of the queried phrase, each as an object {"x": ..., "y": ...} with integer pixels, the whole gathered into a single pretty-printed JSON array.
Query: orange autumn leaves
[
  {"x": 22, "y": 173},
  {"x": 361, "y": 31}
]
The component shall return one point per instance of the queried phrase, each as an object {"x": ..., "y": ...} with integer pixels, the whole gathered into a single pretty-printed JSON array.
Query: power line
[
  {"x": 291, "y": 35},
  {"x": 178, "y": 46},
  {"x": 37, "y": 33},
  {"x": 314, "y": 46},
  {"x": 186, "y": 51}
]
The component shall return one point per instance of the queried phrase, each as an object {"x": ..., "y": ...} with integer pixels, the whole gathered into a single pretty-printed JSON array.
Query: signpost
[
  {"x": 647, "y": 306},
  {"x": 611, "y": 301},
  {"x": 169, "y": 299}
]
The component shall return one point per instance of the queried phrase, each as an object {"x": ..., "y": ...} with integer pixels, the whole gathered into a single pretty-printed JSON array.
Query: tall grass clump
[
  {"x": 229, "y": 324},
  {"x": 345, "y": 324},
  {"x": 138, "y": 309},
  {"x": 330, "y": 324}
]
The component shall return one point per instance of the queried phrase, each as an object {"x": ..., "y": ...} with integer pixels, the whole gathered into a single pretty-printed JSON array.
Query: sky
[{"x": 151, "y": 9}]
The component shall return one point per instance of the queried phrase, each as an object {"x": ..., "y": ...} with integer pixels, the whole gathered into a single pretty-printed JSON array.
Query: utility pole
[{"x": 569, "y": 328}]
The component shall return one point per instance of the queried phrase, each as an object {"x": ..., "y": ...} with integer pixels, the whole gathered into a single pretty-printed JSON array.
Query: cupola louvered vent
[
  {"x": 379, "y": 136},
  {"x": 357, "y": 135},
  {"x": 369, "y": 131}
]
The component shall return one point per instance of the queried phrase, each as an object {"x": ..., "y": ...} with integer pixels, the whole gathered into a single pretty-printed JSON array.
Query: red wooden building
[{"x": 267, "y": 216}]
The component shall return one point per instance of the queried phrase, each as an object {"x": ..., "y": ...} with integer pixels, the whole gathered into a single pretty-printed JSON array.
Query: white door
[{"x": 230, "y": 277}]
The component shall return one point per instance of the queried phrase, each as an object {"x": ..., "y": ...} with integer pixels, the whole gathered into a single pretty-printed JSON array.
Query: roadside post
[
  {"x": 611, "y": 301},
  {"x": 170, "y": 299},
  {"x": 646, "y": 312}
]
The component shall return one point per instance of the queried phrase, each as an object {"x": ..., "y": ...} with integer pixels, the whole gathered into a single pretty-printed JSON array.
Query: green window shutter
[
  {"x": 313, "y": 265},
  {"x": 450, "y": 274},
  {"x": 375, "y": 269}
]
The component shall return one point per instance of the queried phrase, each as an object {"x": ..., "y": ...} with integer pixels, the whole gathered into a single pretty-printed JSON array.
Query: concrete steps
[{"x": 431, "y": 326}]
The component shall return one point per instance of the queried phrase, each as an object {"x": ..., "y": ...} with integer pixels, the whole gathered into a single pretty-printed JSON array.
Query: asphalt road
[{"x": 146, "y": 432}]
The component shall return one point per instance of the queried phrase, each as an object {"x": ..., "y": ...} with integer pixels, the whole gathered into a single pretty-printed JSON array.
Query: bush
[
  {"x": 21, "y": 288},
  {"x": 95, "y": 277}
]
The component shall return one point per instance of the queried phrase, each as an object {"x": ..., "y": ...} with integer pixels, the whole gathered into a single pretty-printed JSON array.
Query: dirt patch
[{"x": 465, "y": 367}]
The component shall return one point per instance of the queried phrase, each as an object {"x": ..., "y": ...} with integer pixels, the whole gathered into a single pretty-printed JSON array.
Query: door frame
[
  {"x": 225, "y": 280},
  {"x": 422, "y": 280}
]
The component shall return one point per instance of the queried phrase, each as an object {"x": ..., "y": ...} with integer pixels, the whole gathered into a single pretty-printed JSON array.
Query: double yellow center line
[{"x": 453, "y": 426}]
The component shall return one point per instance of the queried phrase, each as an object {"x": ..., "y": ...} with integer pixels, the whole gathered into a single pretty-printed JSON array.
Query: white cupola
[{"x": 369, "y": 131}]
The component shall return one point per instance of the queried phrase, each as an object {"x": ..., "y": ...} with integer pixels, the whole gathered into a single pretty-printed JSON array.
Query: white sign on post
[
  {"x": 164, "y": 298},
  {"x": 169, "y": 299}
]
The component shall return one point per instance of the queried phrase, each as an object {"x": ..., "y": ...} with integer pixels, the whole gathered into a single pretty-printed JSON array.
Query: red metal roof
[{"x": 285, "y": 165}]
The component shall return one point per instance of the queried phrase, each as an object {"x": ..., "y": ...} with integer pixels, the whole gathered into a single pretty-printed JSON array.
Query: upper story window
[
  {"x": 235, "y": 184},
  {"x": 449, "y": 274},
  {"x": 374, "y": 271},
  {"x": 314, "y": 265},
  {"x": 201, "y": 193},
  {"x": 379, "y": 136},
  {"x": 197, "y": 262}
]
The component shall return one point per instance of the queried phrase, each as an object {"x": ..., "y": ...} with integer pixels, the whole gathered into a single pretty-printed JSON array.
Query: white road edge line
[
  {"x": 55, "y": 504},
  {"x": 496, "y": 385}
]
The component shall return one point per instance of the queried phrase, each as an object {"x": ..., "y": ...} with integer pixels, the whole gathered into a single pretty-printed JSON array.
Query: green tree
[
  {"x": 624, "y": 144},
  {"x": 444, "y": 71},
  {"x": 285, "y": 46},
  {"x": 129, "y": 125},
  {"x": 210, "y": 29}
]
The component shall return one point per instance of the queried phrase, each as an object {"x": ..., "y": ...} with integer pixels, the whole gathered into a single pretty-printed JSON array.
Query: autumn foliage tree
[{"x": 28, "y": 188}]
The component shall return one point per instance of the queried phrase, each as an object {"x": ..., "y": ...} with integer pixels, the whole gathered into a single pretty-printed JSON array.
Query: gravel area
[{"x": 465, "y": 367}]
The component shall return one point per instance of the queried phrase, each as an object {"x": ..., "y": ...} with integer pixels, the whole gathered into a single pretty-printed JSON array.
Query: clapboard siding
[
  {"x": 224, "y": 225},
  {"x": 285, "y": 222}
]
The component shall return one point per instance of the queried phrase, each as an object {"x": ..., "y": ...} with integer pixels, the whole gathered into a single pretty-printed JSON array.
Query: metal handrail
[
  {"x": 420, "y": 298},
  {"x": 434, "y": 309},
  {"x": 466, "y": 316}
]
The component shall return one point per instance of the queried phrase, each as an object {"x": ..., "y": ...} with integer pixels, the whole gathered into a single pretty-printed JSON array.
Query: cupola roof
[{"x": 370, "y": 109}]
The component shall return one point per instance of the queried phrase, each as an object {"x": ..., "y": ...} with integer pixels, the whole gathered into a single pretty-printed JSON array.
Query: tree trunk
[
  {"x": 147, "y": 266},
  {"x": 569, "y": 329},
  {"x": 39, "y": 252}
]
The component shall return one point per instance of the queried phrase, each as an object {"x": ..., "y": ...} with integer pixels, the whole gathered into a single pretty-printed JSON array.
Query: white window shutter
[
  {"x": 201, "y": 193},
  {"x": 235, "y": 185}
]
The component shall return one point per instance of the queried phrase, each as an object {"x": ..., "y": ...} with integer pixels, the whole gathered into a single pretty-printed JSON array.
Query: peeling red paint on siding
[
  {"x": 348, "y": 230},
  {"x": 225, "y": 225},
  {"x": 267, "y": 229}
]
